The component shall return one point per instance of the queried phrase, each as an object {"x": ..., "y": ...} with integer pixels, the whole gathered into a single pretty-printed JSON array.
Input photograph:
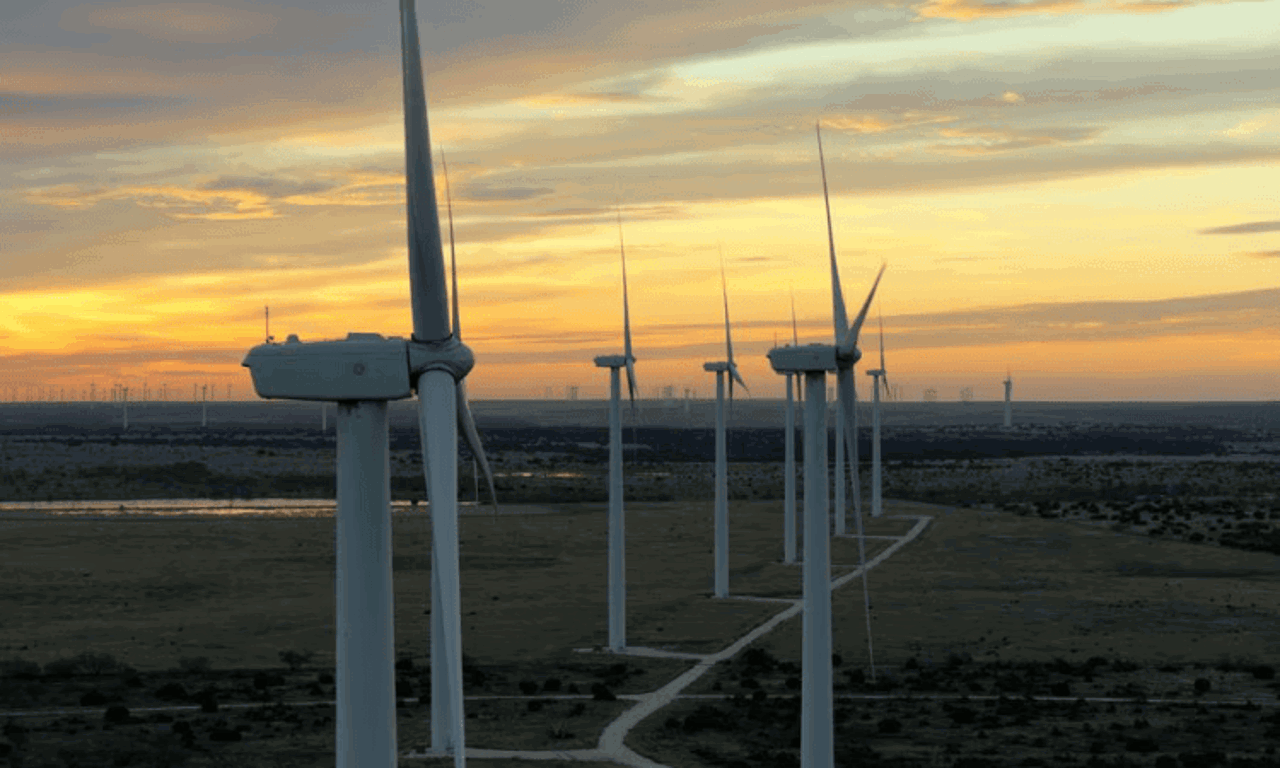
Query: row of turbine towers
[
  {"x": 365, "y": 371},
  {"x": 118, "y": 392}
]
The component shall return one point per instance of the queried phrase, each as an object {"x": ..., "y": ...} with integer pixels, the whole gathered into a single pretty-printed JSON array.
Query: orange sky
[{"x": 1080, "y": 192}]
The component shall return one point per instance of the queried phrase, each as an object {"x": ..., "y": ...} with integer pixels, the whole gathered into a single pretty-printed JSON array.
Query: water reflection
[{"x": 196, "y": 508}]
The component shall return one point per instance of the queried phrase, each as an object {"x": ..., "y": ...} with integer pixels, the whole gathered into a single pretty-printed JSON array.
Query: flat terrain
[
  {"x": 985, "y": 603},
  {"x": 1099, "y": 585}
]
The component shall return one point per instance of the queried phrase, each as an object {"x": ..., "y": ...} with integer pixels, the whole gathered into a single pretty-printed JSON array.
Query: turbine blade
[
  {"x": 882, "y": 368},
  {"x": 468, "y": 425},
  {"x": 626, "y": 321},
  {"x": 426, "y": 255},
  {"x": 795, "y": 333},
  {"x": 453, "y": 255},
  {"x": 728, "y": 339},
  {"x": 438, "y": 431},
  {"x": 838, "y": 313},
  {"x": 632, "y": 387},
  {"x": 851, "y": 338},
  {"x": 735, "y": 376}
]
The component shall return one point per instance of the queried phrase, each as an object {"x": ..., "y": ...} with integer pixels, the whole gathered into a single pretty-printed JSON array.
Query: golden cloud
[
  {"x": 968, "y": 10},
  {"x": 174, "y": 201}
]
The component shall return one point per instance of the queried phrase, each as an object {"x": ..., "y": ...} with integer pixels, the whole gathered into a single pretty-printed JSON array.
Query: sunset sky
[{"x": 1083, "y": 193}]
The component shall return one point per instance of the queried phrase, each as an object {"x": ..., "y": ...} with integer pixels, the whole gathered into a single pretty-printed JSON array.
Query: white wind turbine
[
  {"x": 362, "y": 373},
  {"x": 720, "y": 368},
  {"x": 1008, "y": 400},
  {"x": 617, "y": 526},
  {"x": 879, "y": 376},
  {"x": 848, "y": 394},
  {"x": 814, "y": 361}
]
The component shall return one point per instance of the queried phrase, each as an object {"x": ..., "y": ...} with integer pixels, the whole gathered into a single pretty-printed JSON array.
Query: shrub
[
  {"x": 1060, "y": 689},
  {"x": 534, "y": 705},
  {"x": 601, "y": 692},
  {"x": 528, "y": 687},
  {"x": 207, "y": 699},
  {"x": 224, "y": 734},
  {"x": 325, "y": 678},
  {"x": 577, "y": 709},
  {"x": 1202, "y": 685},
  {"x": 265, "y": 680},
  {"x": 194, "y": 665},
  {"x": 889, "y": 725},
  {"x": 793, "y": 683},
  {"x": 560, "y": 731},
  {"x": 404, "y": 665},
  {"x": 116, "y": 714},
  {"x": 296, "y": 659},
  {"x": 836, "y": 660},
  {"x": 404, "y": 689},
  {"x": 759, "y": 658},
  {"x": 171, "y": 692},
  {"x": 19, "y": 668},
  {"x": 551, "y": 685},
  {"x": 1143, "y": 745},
  {"x": 1264, "y": 672},
  {"x": 92, "y": 698}
]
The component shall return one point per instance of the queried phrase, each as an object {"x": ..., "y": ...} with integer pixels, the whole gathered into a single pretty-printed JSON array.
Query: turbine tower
[
  {"x": 814, "y": 361},
  {"x": 879, "y": 377},
  {"x": 1008, "y": 400},
  {"x": 617, "y": 529},
  {"x": 362, "y": 373},
  {"x": 789, "y": 479},
  {"x": 722, "y": 483}
]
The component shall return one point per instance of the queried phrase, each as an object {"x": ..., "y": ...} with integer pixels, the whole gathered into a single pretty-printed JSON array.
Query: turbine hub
[{"x": 449, "y": 355}]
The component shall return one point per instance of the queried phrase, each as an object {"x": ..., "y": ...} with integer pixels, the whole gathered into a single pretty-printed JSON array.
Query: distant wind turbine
[
  {"x": 722, "y": 483},
  {"x": 1008, "y": 400},
  {"x": 879, "y": 376},
  {"x": 617, "y": 524}
]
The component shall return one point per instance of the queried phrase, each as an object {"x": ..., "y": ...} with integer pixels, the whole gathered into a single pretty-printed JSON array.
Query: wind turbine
[
  {"x": 879, "y": 376},
  {"x": 722, "y": 483},
  {"x": 814, "y": 361},
  {"x": 848, "y": 393},
  {"x": 617, "y": 528},
  {"x": 362, "y": 373},
  {"x": 1008, "y": 400}
]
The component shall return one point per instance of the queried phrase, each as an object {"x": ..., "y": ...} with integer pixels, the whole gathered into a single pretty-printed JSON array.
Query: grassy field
[{"x": 985, "y": 603}]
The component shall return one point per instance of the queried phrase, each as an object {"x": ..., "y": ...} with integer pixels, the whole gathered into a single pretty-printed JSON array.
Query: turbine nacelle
[
  {"x": 363, "y": 366},
  {"x": 613, "y": 361},
  {"x": 810, "y": 357}
]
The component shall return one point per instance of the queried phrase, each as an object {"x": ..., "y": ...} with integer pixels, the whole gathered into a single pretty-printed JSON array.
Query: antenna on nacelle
[{"x": 266, "y": 310}]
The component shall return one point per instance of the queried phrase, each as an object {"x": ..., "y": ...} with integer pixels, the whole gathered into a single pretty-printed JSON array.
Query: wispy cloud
[{"x": 1248, "y": 227}]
